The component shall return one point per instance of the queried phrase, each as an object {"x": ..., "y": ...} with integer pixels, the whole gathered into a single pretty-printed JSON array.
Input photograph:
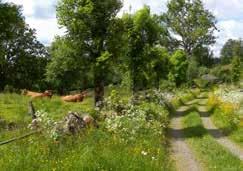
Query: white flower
[{"x": 144, "y": 153}]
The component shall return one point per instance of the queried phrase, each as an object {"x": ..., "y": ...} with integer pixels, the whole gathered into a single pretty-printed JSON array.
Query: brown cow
[
  {"x": 47, "y": 93},
  {"x": 75, "y": 98}
]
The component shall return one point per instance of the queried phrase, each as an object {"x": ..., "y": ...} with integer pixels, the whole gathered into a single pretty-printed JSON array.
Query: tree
[
  {"x": 144, "y": 33},
  {"x": 159, "y": 64},
  {"x": 236, "y": 69},
  {"x": 230, "y": 49},
  {"x": 203, "y": 56},
  {"x": 90, "y": 23},
  {"x": 9, "y": 19},
  {"x": 66, "y": 66},
  {"x": 23, "y": 58},
  {"x": 191, "y": 24},
  {"x": 223, "y": 72},
  {"x": 192, "y": 71},
  {"x": 179, "y": 63}
]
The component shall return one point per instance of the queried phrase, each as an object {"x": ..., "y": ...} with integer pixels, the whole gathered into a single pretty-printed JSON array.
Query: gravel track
[
  {"x": 181, "y": 153},
  {"x": 218, "y": 135}
]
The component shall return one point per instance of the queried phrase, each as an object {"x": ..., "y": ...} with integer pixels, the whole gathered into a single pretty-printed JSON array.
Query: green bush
[
  {"x": 10, "y": 89},
  {"x": 179, "y": 65},
  {"x": 192, "y": 71},
  {"x": 223, "y": 72},
  {"x": 201, "y": 83},
  {"x": 236, "y": 70}
]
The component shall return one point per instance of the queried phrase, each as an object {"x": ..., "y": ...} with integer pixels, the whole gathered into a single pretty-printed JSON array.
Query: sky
[{"x": 41, "y": 15}]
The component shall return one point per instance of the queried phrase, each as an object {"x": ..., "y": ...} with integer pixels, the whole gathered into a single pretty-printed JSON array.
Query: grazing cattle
[
  {"x": 47, "y": 93},
  {"x": 75, "y": 98}
]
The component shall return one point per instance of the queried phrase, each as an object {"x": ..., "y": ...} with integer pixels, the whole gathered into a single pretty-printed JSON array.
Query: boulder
[{"x": 73, "y": 123}]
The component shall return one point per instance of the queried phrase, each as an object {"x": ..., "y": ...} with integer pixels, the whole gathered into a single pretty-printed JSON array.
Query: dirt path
[
  {"x": 218, "y": 135},
  {"x": 181, "y": 152}
]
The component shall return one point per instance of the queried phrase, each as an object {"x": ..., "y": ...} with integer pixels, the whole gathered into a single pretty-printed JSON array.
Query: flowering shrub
[
  {"x": 134, "y": 121},
  {"x": 45, "y": 123},
  {"x": 162, "y": 95},
  {"x": 227, "y": 110},
  {"x": 114, "y": 102},
  {"x": 213, "y": 101},
  {"x": 229, "y": 113},
  {"x": 232, "y": 96}
]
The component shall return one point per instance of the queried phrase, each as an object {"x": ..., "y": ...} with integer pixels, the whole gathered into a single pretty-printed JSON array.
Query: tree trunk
[
  {"x": 157, "y": 81},
  {"x": 85, "y": 81},
  {"x": 134, "y": 82},
  {"x": 99, "y": 87},
  {"x": 99, "y": 77}
]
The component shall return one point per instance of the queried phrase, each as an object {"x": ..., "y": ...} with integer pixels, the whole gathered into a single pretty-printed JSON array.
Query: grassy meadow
[{"x": 94, "y": 149}]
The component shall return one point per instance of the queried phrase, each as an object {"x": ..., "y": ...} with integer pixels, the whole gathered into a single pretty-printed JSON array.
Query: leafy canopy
[
  {"x": 231, "y": 49},
  {"x": 179, "y": 63},
  {"x": 93, "y": 25},
  {"x": 22, "y": 57},
  {"x": 190, "y": 23},
  {"x": 144, "y": 32}
]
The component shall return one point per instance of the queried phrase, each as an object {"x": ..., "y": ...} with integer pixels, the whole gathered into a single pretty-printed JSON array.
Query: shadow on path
[{"x": 192, "y": 132}]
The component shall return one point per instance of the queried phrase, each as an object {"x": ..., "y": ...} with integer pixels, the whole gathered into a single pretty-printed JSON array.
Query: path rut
[
  {"x": 181, "y": 152},
  {"x": 218, "y": 135}
]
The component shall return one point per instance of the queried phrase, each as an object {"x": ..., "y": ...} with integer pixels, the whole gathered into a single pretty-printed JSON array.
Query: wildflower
[{"x": 144, "y": 153}]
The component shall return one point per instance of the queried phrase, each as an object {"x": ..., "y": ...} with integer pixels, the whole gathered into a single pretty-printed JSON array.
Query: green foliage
[
  {"x": 223, "y": 73},
  {"x": 114, "y": 102},
  {"x": 159, "y": 66},
  {"x": 226, "y": 122},
  {"x": 9, "y": 89},
  {"x": 203, "y": 71},
  {"x": 179, "y": 65},
  {"x": 225, "y": 113},
  {"x": 144, "y": 58},
  {"x": 93, "y": 26},
  {"x": 204, "y": 56},
  {"x": 66, "y": 70},
  {"x": 167, "y": 85},
  {"x": 137, "y": 121},
  {"x": 95, "y": 149},
  {"x": 236, "y": 69},
  {"x": 231, "y": 49},
  {"x": 192, "y": 71},
  {"x": 201, "y": 83},
  {"x": 22, "y": 57},
  {"x": 193, "y": 24}
]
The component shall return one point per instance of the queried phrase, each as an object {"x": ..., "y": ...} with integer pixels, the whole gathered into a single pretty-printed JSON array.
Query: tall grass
[
  {"x": 94, "y": 149},
  {"x": 97, "y": 150}
]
